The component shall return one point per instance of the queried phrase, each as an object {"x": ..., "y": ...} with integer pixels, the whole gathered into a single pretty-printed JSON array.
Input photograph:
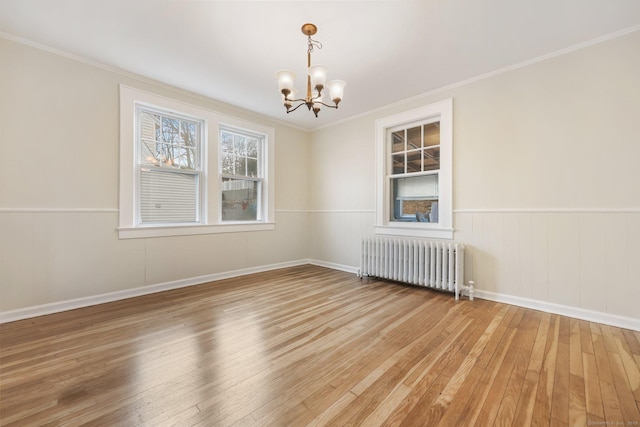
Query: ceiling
[{"x": 386, "y": 51}]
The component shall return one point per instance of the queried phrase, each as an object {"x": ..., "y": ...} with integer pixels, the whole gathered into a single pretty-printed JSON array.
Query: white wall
[
  {"x": 59, "y": 189},
  {"x": 546, "y": 180}
]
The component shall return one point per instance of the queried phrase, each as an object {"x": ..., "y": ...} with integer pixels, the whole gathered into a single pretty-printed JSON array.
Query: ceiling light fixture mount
[{"x": 316, "y": 81}]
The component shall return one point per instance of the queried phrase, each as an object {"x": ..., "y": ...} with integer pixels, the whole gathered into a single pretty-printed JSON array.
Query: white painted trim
[
  {"x": 191, "y": 230},
  {"x": 328, "y": 211},
  {"x": 490, "y": 74},
  {"x": 473, "y": 210},
  {"x": 334, "y": 266},
  {"x": 563, "y": 310},
  {"x": 342, "y": 211},
  {"x": 443, "y": 111},
  {"x": 408, "y": 231},
  {"x": 549, "y": 210},
  {"x": 56, "y": 307},
  {"x": 58, "y": 210}
]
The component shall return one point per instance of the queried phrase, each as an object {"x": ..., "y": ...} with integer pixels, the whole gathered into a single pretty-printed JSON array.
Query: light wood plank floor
[{"x": 314, "y": 346}]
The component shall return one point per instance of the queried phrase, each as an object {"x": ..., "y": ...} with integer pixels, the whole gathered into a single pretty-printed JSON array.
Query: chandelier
[{"x": 316, "y": 81}]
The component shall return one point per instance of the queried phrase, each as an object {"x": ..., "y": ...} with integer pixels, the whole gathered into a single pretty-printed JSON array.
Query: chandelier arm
[
  {"x": 297, "y": 106},
  {"x": 327, "y": 105},
  {"x": 297, "y": 100}
]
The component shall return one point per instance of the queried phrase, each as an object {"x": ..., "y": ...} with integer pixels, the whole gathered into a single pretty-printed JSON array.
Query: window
[
  {"x": 414, "y": 151},
  {"x": 188, "y": 170},
  {"x": 415, "y": 164},
  {"x": 241, "y": 174},
  {"x": 170, "y": 175}
]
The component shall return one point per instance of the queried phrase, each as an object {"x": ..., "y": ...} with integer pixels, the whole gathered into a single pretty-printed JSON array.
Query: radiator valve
[{"x": 468, "y": 289}]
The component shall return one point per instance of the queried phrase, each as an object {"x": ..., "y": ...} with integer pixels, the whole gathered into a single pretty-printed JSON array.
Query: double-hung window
[
  {"x": 241, "y": 175},
  {"x": 170, "y": 174},
  {"x": 415, "y": 167},
  {"x": 185, "y": 169},
  {"x": 414, "y": 172}
]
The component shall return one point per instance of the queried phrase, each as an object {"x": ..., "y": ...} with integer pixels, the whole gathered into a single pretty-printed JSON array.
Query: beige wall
[
  {"x": 59, "y": 189},
  {"x": 546, "y": 186},
  {"x": 546, "y": 179}
]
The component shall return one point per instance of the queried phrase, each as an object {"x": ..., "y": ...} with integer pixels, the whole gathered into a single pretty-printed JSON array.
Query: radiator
[{"x": 433, "y": 264}]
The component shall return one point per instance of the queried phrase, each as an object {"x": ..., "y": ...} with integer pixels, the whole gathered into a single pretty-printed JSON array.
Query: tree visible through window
[
  {"x": 169, "y": 167},
  {"x": 242, "y": 175}
]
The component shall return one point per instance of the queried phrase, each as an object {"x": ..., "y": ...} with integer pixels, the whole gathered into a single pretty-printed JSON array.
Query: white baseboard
[
  {"x": 548, "y": 307},
  {"x": 56, "y": 307},
  {"x": 563, "y": 310},
  {"x": 341, "y": 267}
]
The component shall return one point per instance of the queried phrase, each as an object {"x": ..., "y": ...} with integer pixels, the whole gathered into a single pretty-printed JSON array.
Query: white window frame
[
  {"x": 443, "y": 229},
  {"x": 128, "y": 226}
]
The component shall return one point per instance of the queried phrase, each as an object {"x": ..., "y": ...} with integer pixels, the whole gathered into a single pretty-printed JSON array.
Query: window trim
[
  {"x": 383, "y": 225},
  {"x": 213, "y": 122}
]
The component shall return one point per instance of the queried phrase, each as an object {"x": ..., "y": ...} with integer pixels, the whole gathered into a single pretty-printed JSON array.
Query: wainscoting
[
  {"x": 584, "y": 264},
  {"x": 49, "y": 257},
  {"x": 582, "y": 259},
  {"x": 580, "y": 263}
]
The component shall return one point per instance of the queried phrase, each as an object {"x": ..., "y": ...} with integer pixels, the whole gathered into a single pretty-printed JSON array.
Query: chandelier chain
[{"x": 313, "y": 43}]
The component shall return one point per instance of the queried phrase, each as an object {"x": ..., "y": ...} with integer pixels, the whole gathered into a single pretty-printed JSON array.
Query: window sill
[
  {"x": 189, "y": 230},
  {"x": 414, "y": 230}
]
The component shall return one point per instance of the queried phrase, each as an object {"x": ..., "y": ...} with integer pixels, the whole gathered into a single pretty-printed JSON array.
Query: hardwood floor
[{"x": 314, "y": 346}]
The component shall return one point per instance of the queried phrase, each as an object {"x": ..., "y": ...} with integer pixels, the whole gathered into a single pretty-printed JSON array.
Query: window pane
[
  {"x": 186, "y": 159},
  {"x": 189, "y": 134},
  {"x": 398, "y": 163},
  {"x": 414, "y": 138},
  {"x": 398, "y": 141},
  {"x": 240, "y": 146},
  {"x": 163, "y": 153},
  {"x": 240, "y": 199},
  {"x": 431, "y": 157},
  {"x": 252, "y": 167},
  {"x": 432, "y": 134},
  {"x": 170, "y": 130},
  {"x": 240, "y": 166},
  {"x": 226, "y": 152},
  {"x": 168, "y": 196},
  {"x": 149, "y": 124},
  {"x": 148, "y": 153},
  {"x": 415, "y": 199},
  {"x": 227, "y": 163},
  {"x": 226, "y": 140},
  {"x": 414, "y": 159},
  {"x": 252, "y": 147}
]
